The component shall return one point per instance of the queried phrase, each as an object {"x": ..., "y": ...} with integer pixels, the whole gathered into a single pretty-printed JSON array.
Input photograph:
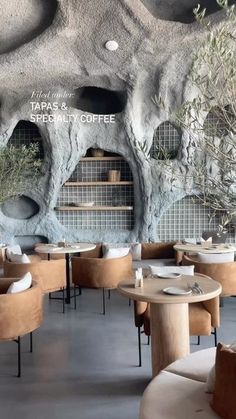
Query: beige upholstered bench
[{"x": 179, "y": 391}]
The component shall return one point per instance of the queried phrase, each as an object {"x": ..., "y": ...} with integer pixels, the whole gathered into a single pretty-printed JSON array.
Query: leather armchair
[
  {"x": 50, "y": 275},
  {"x": 203, "y": 318},
  {"x": 224, "y": 273},
  {"x": 100, "y": 273},
  {"x": 20, "y": 314}
]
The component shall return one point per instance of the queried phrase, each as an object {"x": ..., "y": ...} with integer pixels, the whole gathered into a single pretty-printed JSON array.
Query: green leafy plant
[
  {"x": 19, "y": 167},
  {"x": 213, "y": 76},
  {"x": 161, "y": 153},
  {"x": 143, "y": 148}
]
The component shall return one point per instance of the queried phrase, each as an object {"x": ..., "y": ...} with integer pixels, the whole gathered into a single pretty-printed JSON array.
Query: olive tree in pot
[{"x": 213, "y": 76}]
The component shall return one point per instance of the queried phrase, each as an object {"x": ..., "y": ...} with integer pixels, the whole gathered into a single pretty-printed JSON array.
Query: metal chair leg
[
  {"x": 139, "y": 348},
  {"x": 148, "y": 340},
  {"x": 19, "y": 356},
  {"x": 103, "y": 301},
  {"x": 75, "y": 303},
  {"x": 63, "y": 300},
  {"x": 215, "y": 335},
  {"x": 198, "y": 340},
  {"x": 31, "y": 342}
]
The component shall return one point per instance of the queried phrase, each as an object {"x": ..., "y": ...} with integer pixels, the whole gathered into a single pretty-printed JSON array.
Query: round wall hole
[{"x": 20, "y": 208}]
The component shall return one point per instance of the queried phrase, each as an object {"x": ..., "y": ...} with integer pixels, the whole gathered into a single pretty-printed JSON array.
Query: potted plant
[{"x": 213, "y": 76}]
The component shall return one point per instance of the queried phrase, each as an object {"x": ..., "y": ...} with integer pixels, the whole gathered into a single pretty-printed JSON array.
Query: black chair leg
[
  {"x": 18, "y": 341},
  {"x": 215, "y": 335},
  {"x": 103, "y": 302},
  {"x": 63, "y": 300},
  {"x": 31, "y": 342},
  {"x": 148, "y": 340},
  {"x": 198, "y": 340},
  {"x": 75, "y": 303},
  {"x": 139, "y": 348}
]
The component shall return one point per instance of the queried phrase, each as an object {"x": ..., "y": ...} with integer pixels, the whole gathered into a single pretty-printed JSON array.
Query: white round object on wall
[{"x": 111, "y": 45}]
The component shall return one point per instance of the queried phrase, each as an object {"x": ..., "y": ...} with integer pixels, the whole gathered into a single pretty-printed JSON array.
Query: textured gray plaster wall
[{"x": 59, "y": 46}]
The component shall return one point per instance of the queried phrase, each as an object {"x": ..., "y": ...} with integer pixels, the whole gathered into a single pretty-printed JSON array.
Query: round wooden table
[
  {"x": 169, "y": 314},
  {"x": 67, "y": 251},
  {"x": 208, "y": 248}
]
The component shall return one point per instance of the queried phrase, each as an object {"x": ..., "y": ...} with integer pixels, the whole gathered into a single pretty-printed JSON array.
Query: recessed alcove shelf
[
  {"x": 99, "y": 101},
  {"x": 188, "y": 218},
  {"x": 26, "y": 133},
  {"x": 180, "y": 11},
  {"x": 166, "y": 142},
  {"x": 94, "y": 208},
  {"x": 102, "y": 183},
  {"x": 113, "y": 201}
]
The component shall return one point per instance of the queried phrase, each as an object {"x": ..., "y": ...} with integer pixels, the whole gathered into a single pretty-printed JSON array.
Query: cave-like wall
[{"x": 57, "y": 47}]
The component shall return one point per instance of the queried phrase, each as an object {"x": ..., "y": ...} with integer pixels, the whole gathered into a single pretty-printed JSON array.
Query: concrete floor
[{"x": 84, "y": 364}]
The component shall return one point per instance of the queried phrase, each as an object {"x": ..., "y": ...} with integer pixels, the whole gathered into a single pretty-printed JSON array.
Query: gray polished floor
[{"x": 84, "y": 364}]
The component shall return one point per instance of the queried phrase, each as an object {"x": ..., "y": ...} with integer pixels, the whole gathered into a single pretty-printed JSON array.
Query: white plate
[
  {"x": 75, "y": 246},
  {"x": 177, "y": 291},
  {"x": 56, "y": 249},
  {"x": 171, "y": 275},
  {"x": 86, "y": 204},
  {"x": 47, "y": 245}
]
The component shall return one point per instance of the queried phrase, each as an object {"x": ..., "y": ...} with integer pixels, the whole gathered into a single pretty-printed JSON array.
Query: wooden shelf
[
  {"x": 106, "y": 158},
  {"x": 94, "y": 208},
  {"x": 101, "y": 183}
]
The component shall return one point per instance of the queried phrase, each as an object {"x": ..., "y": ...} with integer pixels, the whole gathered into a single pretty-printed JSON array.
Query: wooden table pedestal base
[{"x": 169, "y": 334}]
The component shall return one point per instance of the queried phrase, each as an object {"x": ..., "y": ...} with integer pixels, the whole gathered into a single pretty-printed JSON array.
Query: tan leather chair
[
  {"x": 2, "y": 256},
  {"x": 224, "y": 273},
  {"x": 50, "y": 275},
  {"x": 203, "y": 318},
  {"x": 100, "y": 273},
  {"x": 20, "y": 313}
]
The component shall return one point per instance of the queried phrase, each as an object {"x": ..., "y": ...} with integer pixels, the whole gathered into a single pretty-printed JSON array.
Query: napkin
[{"x": 206, "y": 242}]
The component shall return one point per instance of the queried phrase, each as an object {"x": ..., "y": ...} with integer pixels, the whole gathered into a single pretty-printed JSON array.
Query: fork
[{"x": 195, "y": 288}]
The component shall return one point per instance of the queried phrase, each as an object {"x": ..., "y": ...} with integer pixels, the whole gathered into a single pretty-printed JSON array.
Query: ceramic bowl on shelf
[{"x": 85, "y": 204}]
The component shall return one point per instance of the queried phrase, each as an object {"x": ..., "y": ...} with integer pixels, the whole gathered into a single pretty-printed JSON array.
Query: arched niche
[
  {"x": 100, "y": 101},
  {"x": 26, "y": 133},
  {"x": 187, "y": 218},
  {"x": 215, "y": 123},
  {"x": 111, "y": 202},
  {"x": 20, "y": 208},
  {"x": 166, "y": 142},
  {"x": 180, "y": 11},
  {"x": 22, "y": 21}
]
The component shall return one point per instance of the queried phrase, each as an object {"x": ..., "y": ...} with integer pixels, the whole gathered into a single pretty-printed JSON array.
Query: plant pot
[
  {"x": 114, "y": 176},
  {"x": 97, "y": 152}
]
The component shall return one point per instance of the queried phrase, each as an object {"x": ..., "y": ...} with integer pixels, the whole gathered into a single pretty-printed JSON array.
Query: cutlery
[{"x": 196, "y": 289}]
